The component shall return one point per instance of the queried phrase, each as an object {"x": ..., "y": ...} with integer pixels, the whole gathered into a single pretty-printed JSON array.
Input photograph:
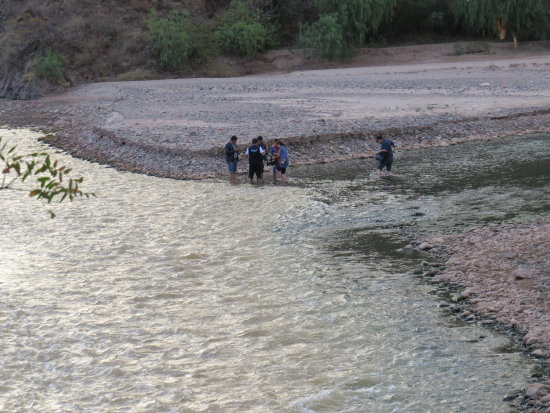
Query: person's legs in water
[
  {"x": 232, "y": 167},
  {"x": 380, "y": 168},
  {"x": 255, "y": 170},
  {"x": 389, "y": 163},
  {"x": 250, "y": 173},
  {"x": 284, "y": 179}
]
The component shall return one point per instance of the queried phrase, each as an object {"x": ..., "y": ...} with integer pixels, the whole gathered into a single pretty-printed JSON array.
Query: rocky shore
[
  {"x": 503, "y": 275},
  {"x": 177, "y": 129}
]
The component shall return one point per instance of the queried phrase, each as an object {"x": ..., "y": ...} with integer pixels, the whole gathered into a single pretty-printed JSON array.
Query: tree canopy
[{"x": 485, "y": 17}]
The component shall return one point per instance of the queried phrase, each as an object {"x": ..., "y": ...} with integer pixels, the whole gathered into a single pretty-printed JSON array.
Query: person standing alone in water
[
  {"x": 255, "y": 154},
  {"x": 232, "y": 158},
  {"x": 385, "y": 155}
]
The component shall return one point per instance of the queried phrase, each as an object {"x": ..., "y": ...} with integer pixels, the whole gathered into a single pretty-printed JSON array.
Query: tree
[
  {"x": 324, "y": 39},
  {"x": 352, "y": 20},
  {"x": 50, "y": 180},
  {"x": 358, "y": 18},
  {"x": 484, "y": 17},
  {"x": 240, "y": 30},
  {"x": 171, "y": 39}
]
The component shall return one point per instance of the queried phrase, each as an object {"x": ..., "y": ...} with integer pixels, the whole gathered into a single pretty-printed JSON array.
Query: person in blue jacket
[
  {"x": 283, "y": 161},
  {"x": 384, "y": 156}
]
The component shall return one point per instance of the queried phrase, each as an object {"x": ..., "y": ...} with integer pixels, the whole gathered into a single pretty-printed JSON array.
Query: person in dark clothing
[
  {"x": 385, "y": 155},
  {"x": 232, "y": 158},
  {"x": 261, "y": 144},
  {"x": 255, "y": 155}
]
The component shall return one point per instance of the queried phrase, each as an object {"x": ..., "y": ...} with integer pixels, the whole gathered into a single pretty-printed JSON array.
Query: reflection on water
[{"x": 162, "y": 295}]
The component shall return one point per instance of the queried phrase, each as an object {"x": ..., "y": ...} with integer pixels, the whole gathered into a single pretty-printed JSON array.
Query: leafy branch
[{"x": 50, "y": 179}]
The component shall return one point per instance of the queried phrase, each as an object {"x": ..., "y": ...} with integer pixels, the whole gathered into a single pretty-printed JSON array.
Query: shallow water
[{"x": 173, "y": 296}]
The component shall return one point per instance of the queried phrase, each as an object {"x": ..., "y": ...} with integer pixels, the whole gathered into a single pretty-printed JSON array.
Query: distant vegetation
[{"x": 43, "y": 44}]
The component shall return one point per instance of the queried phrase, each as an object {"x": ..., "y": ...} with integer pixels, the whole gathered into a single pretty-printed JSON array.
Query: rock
[
  {"x": 534, "y": 389},
  {"x": 114, "y": 117},
  {"x": 523, "y": 272},
  {"x": 465, "y": 294},
  {"x": 425, "y": 246}
]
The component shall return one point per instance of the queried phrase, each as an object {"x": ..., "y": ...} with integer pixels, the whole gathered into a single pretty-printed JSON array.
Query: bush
[
  {"x": 324, "y": 39},
  {"x": 49, "y": 67},
  {"x": 240, "y": 31},
  {"x": 243, "y": 39},
  {"x": 171, "y": 40}
]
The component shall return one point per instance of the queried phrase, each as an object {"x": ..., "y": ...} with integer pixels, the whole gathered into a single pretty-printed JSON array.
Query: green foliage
[
  {"x": 344, "y": 25},
  {"x": 358, "y": 18},
  {"x": 49, "y": 67},
  {"x": 171, "y": 39},
  {"x": 413, "y": 18},
  {"x": 482, "y": 17},
  {"x": 50, "y": 180},
  {"x": 324, "y": 39},
  {"x": 239, "y": 30},
  {"x": 289, "y": 16}
]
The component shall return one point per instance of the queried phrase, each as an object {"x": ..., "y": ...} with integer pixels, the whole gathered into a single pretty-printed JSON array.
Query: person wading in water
[
  {"x": 232, "y": 158},
  {"x": 255, "y": 154},
  {"x": 385, "y": 155}
]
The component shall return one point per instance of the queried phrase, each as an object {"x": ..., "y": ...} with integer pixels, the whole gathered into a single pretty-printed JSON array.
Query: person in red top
[{"x": 274, "y": 152}]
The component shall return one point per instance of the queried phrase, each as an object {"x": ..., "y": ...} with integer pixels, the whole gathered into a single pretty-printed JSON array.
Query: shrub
[
  {"x": 49, "y": 67},
  {"x": 324, "y": 39},
  {"x": 240, "y": 31},
  {"x": 171, "y": 40},
  {"x": 242, "y": 38}
]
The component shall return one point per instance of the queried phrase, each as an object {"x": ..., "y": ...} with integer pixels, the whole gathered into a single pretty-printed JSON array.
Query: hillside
[
  {"x": 97, "y": 39},
  {"x": 49, "y": 46}
]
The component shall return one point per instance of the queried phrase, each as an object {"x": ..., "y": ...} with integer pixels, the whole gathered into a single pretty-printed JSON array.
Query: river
[{"x": 178, "y": 296}]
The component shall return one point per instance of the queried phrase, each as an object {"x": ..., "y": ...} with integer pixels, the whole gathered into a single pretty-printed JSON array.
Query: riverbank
[
  {"x": 502, "y": 274},
  {"x": 177, "y": 129}
]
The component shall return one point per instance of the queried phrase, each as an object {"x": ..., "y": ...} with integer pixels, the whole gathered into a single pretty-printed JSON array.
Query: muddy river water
[{"x": 180, "y": 296}]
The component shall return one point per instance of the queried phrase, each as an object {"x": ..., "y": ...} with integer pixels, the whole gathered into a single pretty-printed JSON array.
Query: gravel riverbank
[
  {"x": 177, "y": 129},
  {"x": 503, "y": 274}
]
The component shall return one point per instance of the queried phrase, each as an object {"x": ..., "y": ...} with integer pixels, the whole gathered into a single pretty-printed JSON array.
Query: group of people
[{"x": 257, "y": 154}]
